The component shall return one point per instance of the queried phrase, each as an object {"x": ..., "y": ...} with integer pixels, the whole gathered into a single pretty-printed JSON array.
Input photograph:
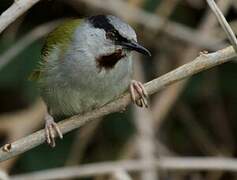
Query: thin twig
[
  {"x": 225, "y": 25},
  {"x": 201, "y": 63},
  {"x": 12, "y": 13},
  {"x": 218, "y": 32},
  {"x": 168, "y": 163}
]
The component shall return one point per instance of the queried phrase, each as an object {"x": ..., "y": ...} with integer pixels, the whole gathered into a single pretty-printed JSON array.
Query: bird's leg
[
  {"x": 51, "y": 129},
  {"x": 137, "y": 87}
]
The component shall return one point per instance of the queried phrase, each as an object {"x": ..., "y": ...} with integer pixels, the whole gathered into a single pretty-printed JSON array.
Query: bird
[{"x": 85, "y": 64}]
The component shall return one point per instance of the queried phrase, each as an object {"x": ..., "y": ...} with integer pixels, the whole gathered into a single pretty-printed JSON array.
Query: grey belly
[{"x": 71, "y": 100}]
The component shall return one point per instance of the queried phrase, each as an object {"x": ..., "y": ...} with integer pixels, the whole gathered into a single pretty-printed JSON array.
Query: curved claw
[
  {"x": 50, "y": 129},
  {"x": 140, "y": 90}
]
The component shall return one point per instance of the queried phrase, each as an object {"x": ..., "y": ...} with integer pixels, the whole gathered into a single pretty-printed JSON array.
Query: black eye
[{"x": 111, "y": 35}]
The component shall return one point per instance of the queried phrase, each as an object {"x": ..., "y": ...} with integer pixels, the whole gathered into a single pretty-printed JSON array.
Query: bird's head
[{"x": 110, "y": 39}]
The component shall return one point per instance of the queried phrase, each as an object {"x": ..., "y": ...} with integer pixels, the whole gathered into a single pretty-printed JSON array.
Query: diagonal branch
[
  {"x": 18, "y": 8},
  {"x": 201, "y": 63}
]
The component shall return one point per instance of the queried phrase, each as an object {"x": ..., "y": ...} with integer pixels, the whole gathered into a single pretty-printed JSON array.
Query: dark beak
[{"x": 133, "y": 45}]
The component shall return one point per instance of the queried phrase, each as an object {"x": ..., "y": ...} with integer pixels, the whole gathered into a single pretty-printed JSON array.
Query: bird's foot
[
  {"x": 51, "y": 129},
  {"x": 137, "y": 87}
]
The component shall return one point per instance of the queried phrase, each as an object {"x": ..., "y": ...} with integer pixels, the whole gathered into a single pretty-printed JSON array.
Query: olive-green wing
[{"x": 60, "y": 38}]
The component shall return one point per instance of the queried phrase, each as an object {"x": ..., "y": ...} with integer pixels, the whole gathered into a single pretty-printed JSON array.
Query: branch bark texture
[
  {"x": 18, "y": 8},
  {"x": 201, "y": 63}
]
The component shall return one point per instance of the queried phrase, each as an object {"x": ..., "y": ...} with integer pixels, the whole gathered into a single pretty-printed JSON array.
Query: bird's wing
[{"x": 60, "y": 38}]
